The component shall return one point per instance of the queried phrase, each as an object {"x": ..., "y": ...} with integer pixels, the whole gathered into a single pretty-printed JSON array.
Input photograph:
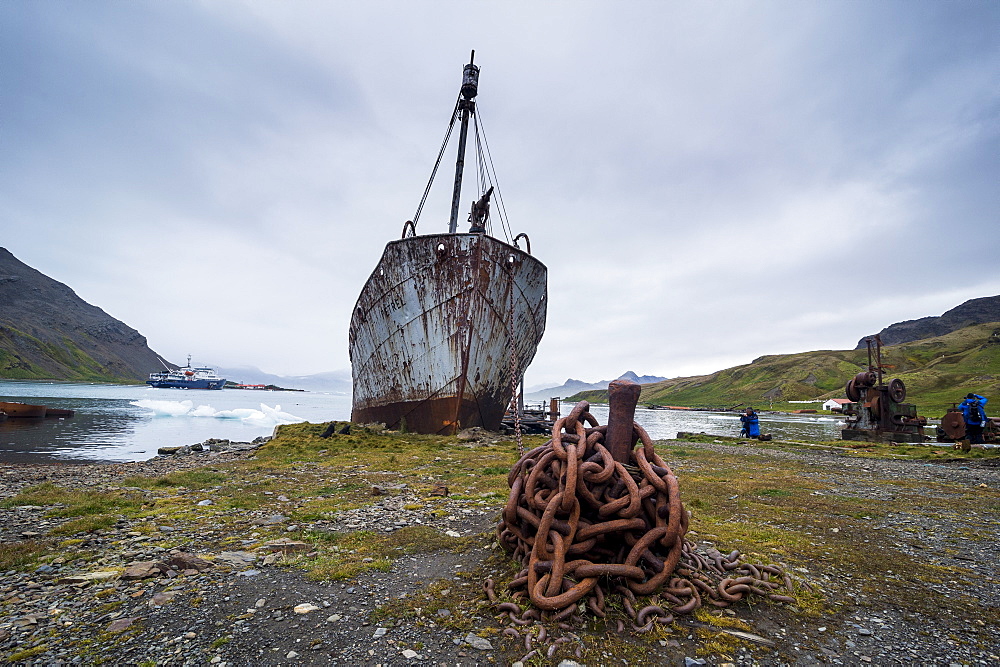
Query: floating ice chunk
[
  {"x": 266, "y": 416},
  {"x": 278, "y": 416},
  {"x": 165, "y": 408},
  {"x": 237, "y": 413}
]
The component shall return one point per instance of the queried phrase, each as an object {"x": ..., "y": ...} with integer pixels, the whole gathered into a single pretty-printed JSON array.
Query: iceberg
[
  {"x": 165, "y": 408},
  {"x": 266, "y": 416}
]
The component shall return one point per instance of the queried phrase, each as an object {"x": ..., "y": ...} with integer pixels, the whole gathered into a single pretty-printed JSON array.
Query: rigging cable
[
  {"x": 444, "y": 145},
  {"x": 504, "y": 219},
  {"x": 483, "y": 175}
]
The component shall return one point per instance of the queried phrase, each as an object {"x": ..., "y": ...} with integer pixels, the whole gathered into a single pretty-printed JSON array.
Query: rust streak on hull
[{"x": 430, "y": 335}]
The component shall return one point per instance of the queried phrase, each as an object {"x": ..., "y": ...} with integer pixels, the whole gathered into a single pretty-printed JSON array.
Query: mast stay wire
[
  {"x": 485, "y": 160},
  {"x": 484, "y": 176},
  {"x": 444, "y": 145},
  {"x": 486, "y": 171}
]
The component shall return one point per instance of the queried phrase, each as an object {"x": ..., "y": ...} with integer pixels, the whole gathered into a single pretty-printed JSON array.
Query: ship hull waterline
[
  {"x": 186, "y": 384},
  {"x": 430, "y": 338}
]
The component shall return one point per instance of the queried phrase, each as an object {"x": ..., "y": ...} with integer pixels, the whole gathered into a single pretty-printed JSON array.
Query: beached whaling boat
[
  {"x": 447, "y": 323},
  {"x": 22, "y": 410}
]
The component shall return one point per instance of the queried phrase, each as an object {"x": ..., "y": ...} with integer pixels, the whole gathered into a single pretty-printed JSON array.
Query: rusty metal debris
[
  {"x": 877, "y": 411},
  {"x": 952, "y": 428},
  {"x": 590, "y": 517}
]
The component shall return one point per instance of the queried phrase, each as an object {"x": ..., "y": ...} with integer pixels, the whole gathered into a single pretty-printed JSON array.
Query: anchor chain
[
  {"x": 513, "y": 374},
  {"x": 586, "y": 527}
]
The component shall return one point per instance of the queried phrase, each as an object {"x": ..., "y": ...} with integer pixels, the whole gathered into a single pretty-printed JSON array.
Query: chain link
[{"x": 586, "y": 527}]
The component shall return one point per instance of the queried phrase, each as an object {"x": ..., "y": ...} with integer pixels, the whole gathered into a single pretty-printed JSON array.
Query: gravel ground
[{"x": 245, "y": 608}]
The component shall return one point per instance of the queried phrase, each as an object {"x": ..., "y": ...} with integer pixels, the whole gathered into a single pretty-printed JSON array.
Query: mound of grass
[
  {"x": 75, "y": 502},
  {"x": 344, "y": 555},
  {"x": 15, "y": 555}
]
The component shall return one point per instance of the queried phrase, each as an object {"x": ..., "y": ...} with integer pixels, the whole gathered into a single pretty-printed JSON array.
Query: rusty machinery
[
  {"x": 952, "y": 428},
  {"x": 877, "y": 411}
]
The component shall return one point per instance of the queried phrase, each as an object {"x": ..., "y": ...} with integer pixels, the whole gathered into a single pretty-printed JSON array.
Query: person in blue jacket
[
  {"x": 974, "y": 413},
  {"x": 751, "y": 424}
]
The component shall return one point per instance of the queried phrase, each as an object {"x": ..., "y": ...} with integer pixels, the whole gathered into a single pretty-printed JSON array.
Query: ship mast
[{"x": 467, "y": 105}]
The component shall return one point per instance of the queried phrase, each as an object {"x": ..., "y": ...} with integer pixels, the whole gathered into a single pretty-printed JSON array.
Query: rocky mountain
[
  {"x": 973, "y": 311},
  {"x": 48, "y": 332},
  {"x": 332, "y": 381},
  {"x": 572, "y": 386}
]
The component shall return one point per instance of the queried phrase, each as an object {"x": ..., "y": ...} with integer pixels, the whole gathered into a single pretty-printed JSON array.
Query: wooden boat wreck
[
  {"x": 22, "y": 410},
  {"x": 447, "y": 323}
]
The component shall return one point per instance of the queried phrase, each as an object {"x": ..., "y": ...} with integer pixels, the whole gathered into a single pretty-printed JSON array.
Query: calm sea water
[{"x": 129, "y": 423}]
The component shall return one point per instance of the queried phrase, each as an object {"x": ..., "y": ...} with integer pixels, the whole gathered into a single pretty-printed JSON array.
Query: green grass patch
[
  {"x": 84, "y": 524},
  {"x": 187, "y": 478},
  {"x": 344, "y": 555},
  {"x": 15, "y": 555},
  {"x": 74, "y": 502},
  {"x": 20, "y": 656}
]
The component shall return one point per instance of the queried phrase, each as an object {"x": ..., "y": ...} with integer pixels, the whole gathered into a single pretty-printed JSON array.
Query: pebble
[{"x": 478, "y": 642}]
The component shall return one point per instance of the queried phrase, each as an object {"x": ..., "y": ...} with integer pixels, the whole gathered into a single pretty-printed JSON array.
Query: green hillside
[
  {"x": 25, "y": 357},
  {"x": 937, "y": 372}
]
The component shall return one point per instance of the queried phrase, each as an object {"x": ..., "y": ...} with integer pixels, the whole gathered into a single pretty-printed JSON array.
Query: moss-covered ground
[{"x": 841, "y": 537}]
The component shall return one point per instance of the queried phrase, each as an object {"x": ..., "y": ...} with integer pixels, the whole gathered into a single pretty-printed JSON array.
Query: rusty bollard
[{"x": 623, "y": 395}]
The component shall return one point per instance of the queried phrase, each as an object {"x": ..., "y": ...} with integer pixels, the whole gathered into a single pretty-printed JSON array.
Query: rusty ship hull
[{"x": 434, "y": 327}]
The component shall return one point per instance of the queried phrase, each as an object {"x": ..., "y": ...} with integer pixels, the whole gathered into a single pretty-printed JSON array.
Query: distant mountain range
[
  {"x": 572, "y": 386},
  {"x": 333, "y": 381},
  {"x": 973, "y": 311},
  {"x": 47, "y": 332}
]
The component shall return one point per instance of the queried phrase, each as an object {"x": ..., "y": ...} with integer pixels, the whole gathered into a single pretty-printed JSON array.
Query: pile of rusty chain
[{"x": 585, "y": 526}]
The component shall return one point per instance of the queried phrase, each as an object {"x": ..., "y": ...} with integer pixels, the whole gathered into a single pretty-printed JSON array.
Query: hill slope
[
  {"x": 937, "y": 371},
  {"x": 973, "y": 311},
  {"x": 48, "y": 332}
]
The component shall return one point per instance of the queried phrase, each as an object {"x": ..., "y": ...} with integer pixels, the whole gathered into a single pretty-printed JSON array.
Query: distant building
[{"x": 835, "y": 404}]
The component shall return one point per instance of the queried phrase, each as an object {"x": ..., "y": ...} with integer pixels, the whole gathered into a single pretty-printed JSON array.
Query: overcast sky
[{"x": 706, "y": 182}]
